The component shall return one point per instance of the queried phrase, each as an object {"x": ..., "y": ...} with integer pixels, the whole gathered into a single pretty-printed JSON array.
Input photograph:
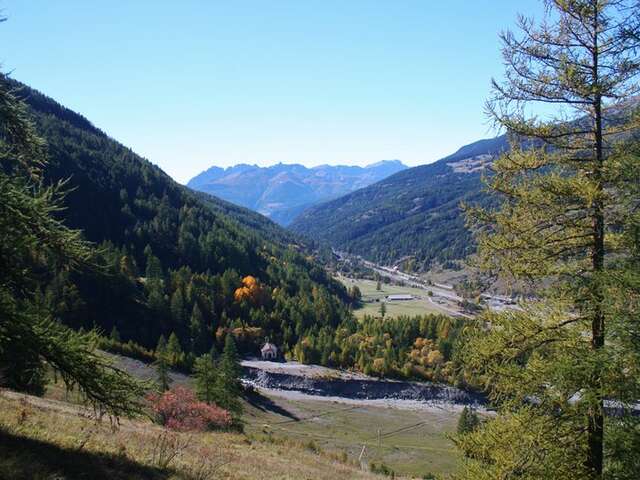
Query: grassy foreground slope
[
  {"x": 412, "y": 442},
  {"x": 45, "y": 439}
]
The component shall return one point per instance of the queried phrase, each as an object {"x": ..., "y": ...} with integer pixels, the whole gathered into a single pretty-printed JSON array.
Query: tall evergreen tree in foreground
[
  {"x": 34, "y": 244},
  {"x": 163, "y": 380},
  {"x": 206, "y": 376},
  {"x": 568, "y": 221},
  {"x": 229, "y": 388}
]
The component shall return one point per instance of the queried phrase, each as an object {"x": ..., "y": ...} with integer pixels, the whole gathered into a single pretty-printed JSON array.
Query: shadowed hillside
[{"x": 171, "y": 259}]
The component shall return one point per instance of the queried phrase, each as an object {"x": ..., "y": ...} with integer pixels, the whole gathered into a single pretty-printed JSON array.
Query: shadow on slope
[
  {"x": 265, "y": 404},
  {"x": 23, "y": 458}
]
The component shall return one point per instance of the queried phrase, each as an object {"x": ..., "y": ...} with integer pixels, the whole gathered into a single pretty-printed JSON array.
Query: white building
[
  {"x": 269, "y": 351},
  {"x": 400, "y": 297}
]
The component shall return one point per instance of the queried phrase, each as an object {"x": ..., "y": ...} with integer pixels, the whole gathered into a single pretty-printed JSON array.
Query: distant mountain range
[
  {"x": 281, "y": 192},
  {"x": 412, "y": 216}
]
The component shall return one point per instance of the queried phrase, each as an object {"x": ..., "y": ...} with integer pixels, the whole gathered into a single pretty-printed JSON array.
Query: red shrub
[{"x": 178, "y": 409}]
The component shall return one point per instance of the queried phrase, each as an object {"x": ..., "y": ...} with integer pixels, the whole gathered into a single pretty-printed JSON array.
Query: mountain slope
[
  {"x": 282, "y": 191},
  {"x": 57, "y": 439},
  {"x": 172, "y": 259},
  {"x": 412, "y": 215}
]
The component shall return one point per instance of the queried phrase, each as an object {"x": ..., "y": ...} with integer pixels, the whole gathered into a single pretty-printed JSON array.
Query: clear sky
[{"x": 189, "y": 84}]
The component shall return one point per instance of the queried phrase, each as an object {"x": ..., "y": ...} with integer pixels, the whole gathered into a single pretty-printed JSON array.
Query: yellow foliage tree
[
  {"x": 379, "y": 365},
  {"x": 251, "y": 291},
  {"x": 435, "y": 357}
]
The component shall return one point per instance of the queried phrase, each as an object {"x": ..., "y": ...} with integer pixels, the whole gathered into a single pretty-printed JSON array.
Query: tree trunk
[{"x": 596, "y": 417}]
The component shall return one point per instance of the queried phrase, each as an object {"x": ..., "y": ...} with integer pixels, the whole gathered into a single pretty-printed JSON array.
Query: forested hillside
[
  {"x": 414, "y": 216},
  {"x": 172, "y": 261},
  {"x": 414, "y": 213}
]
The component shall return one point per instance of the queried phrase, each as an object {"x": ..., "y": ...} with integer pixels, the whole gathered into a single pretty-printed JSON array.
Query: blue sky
[{"x": 191, "y": 84}]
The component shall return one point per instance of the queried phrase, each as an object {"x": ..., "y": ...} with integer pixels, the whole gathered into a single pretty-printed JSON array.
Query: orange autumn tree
[{"x": 251, "y": 291}]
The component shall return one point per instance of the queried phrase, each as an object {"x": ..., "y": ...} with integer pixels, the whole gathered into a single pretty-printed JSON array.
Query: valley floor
[
  {"x": 413, "y": 435},
  {"x": 421, "y": 303},
  {"x": 410, "y": 442}
]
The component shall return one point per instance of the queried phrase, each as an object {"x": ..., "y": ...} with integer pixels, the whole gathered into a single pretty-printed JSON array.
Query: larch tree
[
  {"x": 174, "y": 351},
  {"x": 34, "y": 243},
  {"x": 556, "y": 368}
]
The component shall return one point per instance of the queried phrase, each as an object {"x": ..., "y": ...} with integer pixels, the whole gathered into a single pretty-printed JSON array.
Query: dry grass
[
  {"x": 45, "y": 439},
  {"x": 343, "y": 429}
]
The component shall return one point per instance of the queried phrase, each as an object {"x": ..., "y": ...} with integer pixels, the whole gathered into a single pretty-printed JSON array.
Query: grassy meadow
[
  {"x": 412, "y": 443},
  {"x": 283, "y": 439},
  {"x": 371, "y": 299}
]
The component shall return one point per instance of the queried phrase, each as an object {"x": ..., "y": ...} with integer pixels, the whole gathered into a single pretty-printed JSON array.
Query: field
[
  {"x": 47, "y": 438},
  {"x": 371, "y": 298},
  {"x": 411, "y": 443}
]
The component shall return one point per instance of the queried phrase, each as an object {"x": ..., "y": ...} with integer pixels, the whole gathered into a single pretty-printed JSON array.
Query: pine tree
[
  {"x": 550, "y": 366},
  {"x": 468, "y": 421},
  {"x": 199, "y": 337},
  {"x": 155, "y": 296},
  {"x": 229, "y": 387},
  {"x": 383, "y": 309},
  {"x": 230, "y": 359},
  {"x": 174, "y": 350},
  {"x": 206, "y": 376},
  {"x": 178, "y": 307},
  {"x": 356, "y": 295},
  {"x": 163, "y": 379},
  {"x": 154, "y": 267},
  {"x": 115, "y": 334}
]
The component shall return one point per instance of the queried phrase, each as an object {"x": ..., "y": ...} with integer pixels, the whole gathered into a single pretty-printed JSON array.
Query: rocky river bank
[{"x": 323, "y": 382}]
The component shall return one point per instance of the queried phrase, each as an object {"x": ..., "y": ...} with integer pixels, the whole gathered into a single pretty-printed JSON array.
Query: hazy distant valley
[{"x": 281, "y": 192}]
